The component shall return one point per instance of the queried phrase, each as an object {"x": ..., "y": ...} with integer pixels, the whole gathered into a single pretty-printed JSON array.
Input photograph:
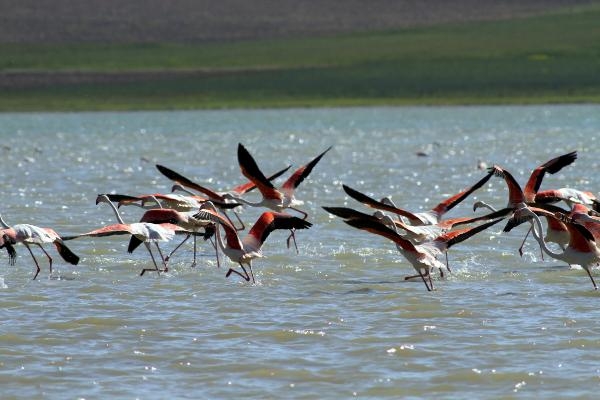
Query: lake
[{"x": 337, "y": 320}]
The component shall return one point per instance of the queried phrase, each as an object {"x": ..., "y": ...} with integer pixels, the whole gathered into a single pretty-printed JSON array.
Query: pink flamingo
[
  {"x": 34, "y": 235},
  {"x": 431, "y": 217},
  {"x": 423, "y": 256},
  {"x": 244, "y": 250},
  {"x": 144, "y": 232},
  {"x": 581, "y": 250},
  {"x": 273, "y": 198}
]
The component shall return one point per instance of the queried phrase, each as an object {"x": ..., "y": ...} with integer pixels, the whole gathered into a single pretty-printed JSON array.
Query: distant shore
[{"x": 550, "y": 58}]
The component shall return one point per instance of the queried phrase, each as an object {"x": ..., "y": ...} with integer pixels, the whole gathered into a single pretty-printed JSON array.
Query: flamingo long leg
[
  {"x": 447, "y": 264},
  {"x": 425, "y": 281},
  {"x": 216, "y": 252},
  {"x": 430, "y": 281},
  {"x": 153, "y": 260},
  {"x": 195, "y": 252},
  {"x": 240, "y": 221},
  {"x": 47, "y": 255},
  {"x": 178, "y": 246},
  {"x": 245, "y": 275},
  {"x": 34, "y": 260},
  {"x": 590, "y": 275},
  {"x": 292, "y": 237},
  {"x": 161, "y": 256},
  {"x": 523, "y": 243}
]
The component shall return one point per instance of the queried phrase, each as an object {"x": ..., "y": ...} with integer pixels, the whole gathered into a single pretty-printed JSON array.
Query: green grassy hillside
[{"x": 552, "y": 58}]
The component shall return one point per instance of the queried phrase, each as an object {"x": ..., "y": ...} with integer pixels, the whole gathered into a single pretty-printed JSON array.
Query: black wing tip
[
  {"x": 511, "y": 224},
  {"x": 242, "y": 149},
  {"x": 350, "y": 191},
  {"x": 595, "y": 205},
  {"x": 563, "y": 161},
  {"x": 337, "y": 211}
]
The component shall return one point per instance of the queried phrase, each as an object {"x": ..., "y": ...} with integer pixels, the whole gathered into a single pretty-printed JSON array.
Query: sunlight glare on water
[{"x": 336, "y": 320}]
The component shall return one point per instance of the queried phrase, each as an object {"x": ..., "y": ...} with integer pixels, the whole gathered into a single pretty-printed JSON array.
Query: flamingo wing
[
  {"x": 460, "y": 235},
  {"x": 251, "y": 171},
  {"x": 380, "y": 229},
  {"x": 347, "y": 213},
  {"x": 370, "y": 202},
  {"x": 452, "y": 201},
  {"x": 249, "y": 186},
  {"x": 301, "y": 173},
  {"x": 270, "y": 221},
  {"x": 452, "y": 222},
  {"x": 552, "y": 166},
  {"x": 109, "y": 230},
  {"x": 183, "y": 181},
  {"x": 6, "y": 241}
]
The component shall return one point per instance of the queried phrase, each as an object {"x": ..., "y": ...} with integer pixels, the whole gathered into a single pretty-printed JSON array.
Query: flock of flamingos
[{"x": 421, "y": 237}]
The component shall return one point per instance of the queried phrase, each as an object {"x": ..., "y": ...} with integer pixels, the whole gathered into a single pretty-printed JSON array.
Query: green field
[{"x": 552, "y": 58}]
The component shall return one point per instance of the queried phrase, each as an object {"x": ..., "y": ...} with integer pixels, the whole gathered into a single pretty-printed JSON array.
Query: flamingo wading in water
[
  {"x": 423, "y": 256},
  {"x": 581, "y": 250},
  {"x": 244, "y": 250},
  {"x": 34, "y": 235},
  {"x": 145, "y": 232}
]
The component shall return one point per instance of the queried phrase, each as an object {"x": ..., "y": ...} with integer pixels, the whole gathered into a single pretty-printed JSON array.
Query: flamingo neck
[
  {"x": 119, "y": 219},
  {"x": 4, "y": 224},
  {"x": 535, "y": 225}
]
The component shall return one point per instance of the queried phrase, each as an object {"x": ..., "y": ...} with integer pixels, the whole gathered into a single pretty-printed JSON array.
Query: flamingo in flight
[
  {"x": 581, "y": 249},
  {"x": 557, "y": 231},
  {"x": 431, "y": 217},
  {"x": 213, "y": 196},
  {"x": 273, "y": 198},
  {"x": 33, "y": 235},
  {"x": 244, "y": 250},
  {"x": 217, "y": 198},
  {"x": 423, "y": 256},
  {"x": 143, "y": 231}
]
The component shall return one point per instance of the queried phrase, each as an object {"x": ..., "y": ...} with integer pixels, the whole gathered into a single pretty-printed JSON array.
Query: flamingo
[
  {"x": 273, "y": 198},
  {"x": 517, "y": 197},
  {"x": 415, "y": 234},
  {"x": 423, "y": 257},
  {"x": 430, "y": 217},
  {"x": 217, "y": 198},
  {"x": 192, "y": 221},
  {"x": 581, "y": 250},
  {"x": 145, "y": 232},
  {"x": 34, "y": 235},
  {"x": 244, "y": 250},
  {"x": 570, "y": 196},
  {"x": 556, "y": 232},
  {"x": 580, "y": 214},
  {"x": 187, "y": 205}
]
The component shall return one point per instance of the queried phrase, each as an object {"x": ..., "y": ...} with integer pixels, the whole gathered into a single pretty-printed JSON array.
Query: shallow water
[{"x": 336, "y": 320}]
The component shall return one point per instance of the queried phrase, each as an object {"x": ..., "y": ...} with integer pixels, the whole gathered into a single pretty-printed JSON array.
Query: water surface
[{"x": 336, "y": 320}]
